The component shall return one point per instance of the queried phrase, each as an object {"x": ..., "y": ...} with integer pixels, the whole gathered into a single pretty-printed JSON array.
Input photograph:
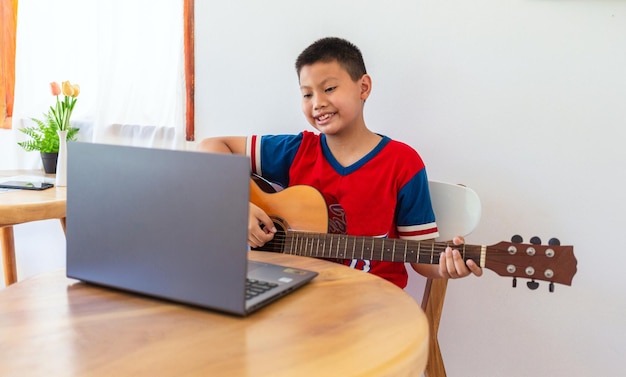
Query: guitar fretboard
[{"x": 339, "y": 246}]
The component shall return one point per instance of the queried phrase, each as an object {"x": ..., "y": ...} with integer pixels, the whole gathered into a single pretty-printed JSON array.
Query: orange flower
[{"x": 55, "y": 88}]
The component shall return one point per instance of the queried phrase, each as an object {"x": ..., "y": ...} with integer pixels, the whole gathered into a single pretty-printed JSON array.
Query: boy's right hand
[{"x": 261, "y": 228}]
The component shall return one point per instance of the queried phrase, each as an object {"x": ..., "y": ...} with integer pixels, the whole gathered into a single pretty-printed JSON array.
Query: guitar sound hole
[{"x": 277, "y": 244}]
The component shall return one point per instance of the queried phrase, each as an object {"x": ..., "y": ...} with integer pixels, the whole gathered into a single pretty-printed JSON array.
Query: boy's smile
[
  {"x": 331, "y": 101},
  {"x": 325, "y": 117}
]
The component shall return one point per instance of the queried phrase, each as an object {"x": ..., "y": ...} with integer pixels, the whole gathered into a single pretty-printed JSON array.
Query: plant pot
[{"x": 49, "y": 162}]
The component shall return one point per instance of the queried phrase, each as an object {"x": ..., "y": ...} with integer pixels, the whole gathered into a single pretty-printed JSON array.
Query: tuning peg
[
  {"x": 514, "y": 282},
  {"x": 517, "y": 239},
  {"x": 535, "y": 240},
  {"x": 532, "y": 285},
  {"x": 551, "y": 287},
  {"x": 554, "y": 242}
]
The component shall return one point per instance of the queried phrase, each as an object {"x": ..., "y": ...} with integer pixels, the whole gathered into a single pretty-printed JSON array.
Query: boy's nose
[{"x": 319, "y": 103}]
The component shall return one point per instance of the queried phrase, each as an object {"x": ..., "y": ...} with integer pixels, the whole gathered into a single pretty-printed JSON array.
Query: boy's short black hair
[{"x": 329, "y": 49}]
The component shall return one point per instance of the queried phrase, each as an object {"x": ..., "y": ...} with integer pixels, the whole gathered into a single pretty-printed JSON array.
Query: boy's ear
[{"x": 366, "y": 86}]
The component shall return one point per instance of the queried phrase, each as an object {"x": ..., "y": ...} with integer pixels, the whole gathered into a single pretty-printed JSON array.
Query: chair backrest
[{"x": 457, "y": 211}]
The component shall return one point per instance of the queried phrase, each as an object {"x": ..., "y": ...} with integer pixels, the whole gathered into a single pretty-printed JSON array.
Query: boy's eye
[
  {"x": 332, "y": 88},
  {"x": 306, "y": 96}
]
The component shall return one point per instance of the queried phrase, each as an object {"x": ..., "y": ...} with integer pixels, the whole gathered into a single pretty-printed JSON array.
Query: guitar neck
[{"x": 339, "y": 246}]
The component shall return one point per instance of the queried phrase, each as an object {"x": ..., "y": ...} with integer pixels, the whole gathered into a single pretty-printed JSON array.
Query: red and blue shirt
[{"x": 384, "y": 194}]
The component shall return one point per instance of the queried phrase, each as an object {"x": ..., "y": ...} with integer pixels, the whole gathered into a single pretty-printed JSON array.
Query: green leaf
[{"x": 44, "y": 137}]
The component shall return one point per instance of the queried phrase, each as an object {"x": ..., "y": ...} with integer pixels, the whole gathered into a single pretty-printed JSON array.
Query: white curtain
[{"x": 126, "y": 55}]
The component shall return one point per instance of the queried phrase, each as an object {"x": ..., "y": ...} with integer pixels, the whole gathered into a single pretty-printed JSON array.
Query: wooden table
[
  {"x": 21, "y": 206},
  {"x": 344, "y": 323}
]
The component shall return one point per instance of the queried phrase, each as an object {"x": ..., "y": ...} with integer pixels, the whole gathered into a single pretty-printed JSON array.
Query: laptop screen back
[{"x": 171, "y": 224}]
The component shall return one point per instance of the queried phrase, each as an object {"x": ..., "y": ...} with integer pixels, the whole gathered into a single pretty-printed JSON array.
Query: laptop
[{"x": 169, "y": 224}]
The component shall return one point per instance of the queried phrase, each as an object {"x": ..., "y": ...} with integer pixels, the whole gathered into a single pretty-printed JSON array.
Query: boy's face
[{"x": 331, "y": 101}]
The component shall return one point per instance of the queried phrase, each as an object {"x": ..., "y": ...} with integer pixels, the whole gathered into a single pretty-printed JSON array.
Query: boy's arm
[
  {"x": 257, "y": 235},
  {"x": 224, "y": 144},
  {"x": 451, "y": 265}
]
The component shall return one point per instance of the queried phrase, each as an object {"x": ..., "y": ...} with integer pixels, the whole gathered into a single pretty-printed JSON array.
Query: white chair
[{"x": 457, "y": 211}]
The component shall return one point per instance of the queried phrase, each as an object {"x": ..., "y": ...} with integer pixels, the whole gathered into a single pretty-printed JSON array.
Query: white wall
[{"x": 522, "y": 100}]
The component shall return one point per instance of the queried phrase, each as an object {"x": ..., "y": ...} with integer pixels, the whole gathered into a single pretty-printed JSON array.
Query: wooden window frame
[
  {"x": 189, "y": 70},
  {"x": 8, "y": 20}
]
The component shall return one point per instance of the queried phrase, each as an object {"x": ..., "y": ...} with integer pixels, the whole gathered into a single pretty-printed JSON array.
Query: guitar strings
[{"x": 309, "y": 244}]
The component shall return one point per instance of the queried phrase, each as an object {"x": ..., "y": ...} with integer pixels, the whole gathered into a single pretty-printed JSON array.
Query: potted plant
[{"x": 44, "y": 135}]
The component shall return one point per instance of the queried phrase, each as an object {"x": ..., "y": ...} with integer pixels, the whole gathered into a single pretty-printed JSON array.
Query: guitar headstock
[{"x": 552, "y": 263}]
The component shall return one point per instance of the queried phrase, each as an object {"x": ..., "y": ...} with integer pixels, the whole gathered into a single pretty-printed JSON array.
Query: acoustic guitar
[{"x": 301, "y": 218}]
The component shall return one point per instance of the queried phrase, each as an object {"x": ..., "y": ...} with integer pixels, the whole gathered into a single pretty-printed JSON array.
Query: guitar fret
[
  {"x": 294, "y": 243},
  {"x": 432, "y": 253},
  {"x": 362, "y": 246},
  {"x": 306, "y": 240},
  {"x": 330, "y": 246},
  {"x": 298, "y": 244},
  {"x": 372, "y": 250},
  {"x": 318, "y": 246},
  {"x": 345, "y": 248},
  {"x": 353, "y": 246},
  {"x": 419, "y": 248},
  {"x": 406, "y": 244}
]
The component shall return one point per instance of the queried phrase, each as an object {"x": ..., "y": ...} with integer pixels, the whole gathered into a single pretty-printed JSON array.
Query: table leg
[{"x": 8, "y": 255}]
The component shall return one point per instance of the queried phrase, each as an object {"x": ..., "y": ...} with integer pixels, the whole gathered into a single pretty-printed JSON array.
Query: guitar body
[
  {"x": 300, "y": 207},
  {"x": 303, "y": 208}
]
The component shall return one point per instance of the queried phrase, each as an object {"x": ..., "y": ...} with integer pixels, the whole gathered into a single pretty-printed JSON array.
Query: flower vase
[{"x": 61, "y": 175}]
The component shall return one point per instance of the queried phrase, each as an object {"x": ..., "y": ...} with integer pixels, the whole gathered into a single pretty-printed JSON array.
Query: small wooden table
[
  {"x": 344, "y": 323},
  {"x": 21, "y": 206}
]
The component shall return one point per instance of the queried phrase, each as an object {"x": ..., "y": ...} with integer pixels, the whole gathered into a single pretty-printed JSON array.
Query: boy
[{"x": 373, "y": 186}]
